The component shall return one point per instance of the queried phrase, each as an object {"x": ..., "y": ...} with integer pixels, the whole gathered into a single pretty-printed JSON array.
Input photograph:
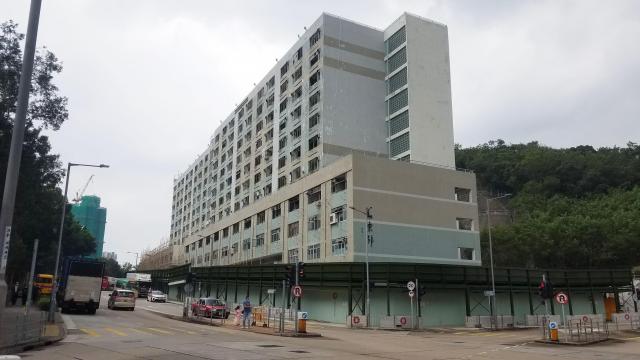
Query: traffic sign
[
  {"x": 489, "y": 293},
  {"x": 411, "y": 285},
  {"x": 411, "y": 293},
  {"x": 562, "y": 298},
  {"x": 355, "y": 319},
  {"x": 271, "y": 291},
  {"x": 553, "y": 325},
  {"x": 403, "y": 321},
  {"x": 297, "y": 291}
]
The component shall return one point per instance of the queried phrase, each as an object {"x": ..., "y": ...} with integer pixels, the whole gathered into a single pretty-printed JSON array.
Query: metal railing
[
  {"x": 21, "y": 327},
  {"x": 578, "y": 331}
]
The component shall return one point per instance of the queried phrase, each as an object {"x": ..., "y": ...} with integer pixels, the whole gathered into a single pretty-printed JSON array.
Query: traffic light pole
[{"x": 297, "y": 300}]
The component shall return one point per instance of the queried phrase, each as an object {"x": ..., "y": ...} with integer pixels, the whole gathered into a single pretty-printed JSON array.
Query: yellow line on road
[
  {"x": 182, "y": 330},
  {"x": 160, "y": 331},
  {"x": 114, "y": 331},
  {"x": 138, "y": 331},
  {"x": 89, "y": 332}
]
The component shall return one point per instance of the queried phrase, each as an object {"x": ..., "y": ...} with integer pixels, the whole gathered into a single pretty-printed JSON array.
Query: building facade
[
  {"x": 160, "y": 257},
  {"x": 345, "y": 94},
  {"x": 93, "y": 217}
]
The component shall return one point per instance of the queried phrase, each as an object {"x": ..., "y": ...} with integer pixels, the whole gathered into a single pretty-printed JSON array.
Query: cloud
[{"x": 149, "y": 81}]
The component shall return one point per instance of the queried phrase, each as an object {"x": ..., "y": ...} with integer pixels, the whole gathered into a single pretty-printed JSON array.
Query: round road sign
[
  {"x": 627, "y": 317},
  {"x": 411, "y": 293},
  {"x": 355, "y": 319},
  {"x": 585, "y": 319},
  {"x": 562, "y": 298},
  {"x": 297, "y": 290},
  {"x": 411, "y": 285},
  {"x": 553, "y": 325},
  {"x": 403, "y": 321}
]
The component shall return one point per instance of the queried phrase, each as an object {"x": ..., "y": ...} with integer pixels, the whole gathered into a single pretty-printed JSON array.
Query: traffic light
[
  {"x": 290, "y": 274},
  {"x": 422, "y": 291},
  {"x": 191, "y": 277},
  {"x": 545, "y": 290},
  {"x": 638, "y": 294},
  {"x": 300, "y": 271}
]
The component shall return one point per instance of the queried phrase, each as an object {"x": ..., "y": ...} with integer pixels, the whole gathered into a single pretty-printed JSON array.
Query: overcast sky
[{"x": 149, "y": 81}]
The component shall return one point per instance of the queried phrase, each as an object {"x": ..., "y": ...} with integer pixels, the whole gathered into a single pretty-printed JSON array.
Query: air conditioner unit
[{"x": 333, "y": 219}]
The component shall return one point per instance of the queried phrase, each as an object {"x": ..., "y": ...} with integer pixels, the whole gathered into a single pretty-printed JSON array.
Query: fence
[
  {"x": 19, "y": 327},
  {"x": 578, "y": 331}
]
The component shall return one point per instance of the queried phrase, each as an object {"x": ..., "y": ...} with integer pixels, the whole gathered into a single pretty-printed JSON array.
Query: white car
[{"x": 156, "y": 296}]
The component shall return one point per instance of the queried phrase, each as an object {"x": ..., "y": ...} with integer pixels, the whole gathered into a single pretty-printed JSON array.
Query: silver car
[{"x": 156, "y": 296}]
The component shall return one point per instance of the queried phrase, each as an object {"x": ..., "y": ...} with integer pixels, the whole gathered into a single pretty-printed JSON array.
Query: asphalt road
[{"x": 112, "y": 334}]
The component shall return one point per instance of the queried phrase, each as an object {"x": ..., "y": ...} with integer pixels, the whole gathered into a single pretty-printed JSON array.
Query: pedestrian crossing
[{"x": 110, "y": 331}]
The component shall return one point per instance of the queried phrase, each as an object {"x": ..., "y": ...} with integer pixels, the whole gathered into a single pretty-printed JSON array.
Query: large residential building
[
  {"x": 317, "y": 136},
  {"x": 93, "y": 217}
]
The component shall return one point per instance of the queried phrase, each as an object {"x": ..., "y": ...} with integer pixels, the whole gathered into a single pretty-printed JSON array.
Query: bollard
[
  {"x": 553, "y": 331},
  {"x": 302, "y": 321}
]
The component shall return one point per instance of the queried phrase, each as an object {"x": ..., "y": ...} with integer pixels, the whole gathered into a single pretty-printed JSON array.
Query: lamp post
[
  {"x": 368, "y": 243},
  {"x": 52, "y": 302},
  {"x": 136, "y": 254},
  {"x": 494, "y": 308}
]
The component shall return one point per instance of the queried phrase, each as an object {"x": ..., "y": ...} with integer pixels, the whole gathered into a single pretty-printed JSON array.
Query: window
[
  {"x": 225, "y": 232},
  {"x": 313, "y": 252},
  {"x": 399, "y": 123},
  {"x": 208, "y": 240},
  {"x": 314, "y": 99},
  {"x": 293, "y": 256},
  {"x": 397, "y": 81},
  {"x": 293, "y": 229},
  {"x": 259, "y": 240},
  {"x": 295, "y": 174},
  {"x": 297, "y": 112},
  {"x": 466, "y": 253},
  {"x": 282, "y": 182},
  {"x": 313, "y": 142},
  {"x": 234, "y": 248},
  {"x": 260, "y": 217},
  {"x": 339, "y": 183},
  {"x": 275, "y": 235},
  {"x": 267, "y": 189},
  {"x": 398, "y": 59},
  {"x": 257, "y": 177},
  {"x": 246, "y": 244},
  {"x": 314, "y": 165},
  {"x": 258, "y": 126},
  {"x": 314, "y": 222},
  {"x": 271, "y": 82},
  {"x": 397, "y": 102},
  {"x": 214, "y": 255},
  {"x": 314, "y": 78},
  {"x": 340, "y": 213},
  {"x": 199, "y": 243},
  {"x": 225, "y": 251},
  {"x": 464, "y": 224},
  {"x": 216, "y": 236},
  {"x": 395, "y": 40},
  {"x": 399, "y": 145},
  {"x": 247, "y": 223},
  {"x": 296, "y": 132},
  {"x": 282, "y": 143},
  {"x": 283, "y": 106},
  {"x": 186, "y": 249},
  {"x": 298, "y": 54},
  {"x": 339, "y": 246},
  {"x": 316, "y": 37},
  {"x": 282, "y": 161},
  {"x": 284, "y": 68},
  {"x": 206, "y": 257},
  {"x": 297, "y": 74},
  {"x": 295, "y": 154},
  {"x": 314, "y": 195},
  {"x": 275, "y": 211},
  {"x": 463, "y": 194},
  {"x": 284, "y": 86},
  {"x": 236, "y": 228},
  {"x": 314, "y": 120},
  {"x": 258, "y": 160},
  {"x": 283, "y": 124},
  {"x": 314, "y": 58}
]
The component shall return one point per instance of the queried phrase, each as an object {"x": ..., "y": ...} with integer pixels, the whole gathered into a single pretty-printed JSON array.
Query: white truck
[
  {"x": 141, "y": 283},
  {"x": 80, "y": 285}
]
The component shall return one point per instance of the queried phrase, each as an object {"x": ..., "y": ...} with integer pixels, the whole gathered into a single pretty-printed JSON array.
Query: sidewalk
[{"x": 20, "y": 330}]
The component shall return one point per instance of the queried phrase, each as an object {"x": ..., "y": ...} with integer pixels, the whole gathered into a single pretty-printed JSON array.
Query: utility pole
[
  {"x": 15, "y": 152},
  {"x": 32, "y": 273},
  {"x": 492, "y": 298},
  {"x": 368, "y": 242}
]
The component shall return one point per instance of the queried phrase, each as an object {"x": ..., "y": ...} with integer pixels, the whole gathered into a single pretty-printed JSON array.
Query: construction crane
[{"x": 81, "y": 192}]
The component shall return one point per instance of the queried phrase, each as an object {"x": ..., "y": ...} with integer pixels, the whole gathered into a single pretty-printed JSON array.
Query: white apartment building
[{"x": 342, "y": 87}]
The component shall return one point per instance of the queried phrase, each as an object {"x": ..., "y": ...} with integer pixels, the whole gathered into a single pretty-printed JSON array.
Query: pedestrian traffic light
[
  {"x": 290, "y": 274},
  {"x": 300, "y": 271},
  {"x": 545, "y": 290}
]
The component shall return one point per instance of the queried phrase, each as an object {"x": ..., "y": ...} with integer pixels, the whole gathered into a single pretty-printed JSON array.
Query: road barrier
[
  {"x": 489, "y": 322},
  {"x": 538, "y": 320},
  {"x": 625, "y": 321},
  {"x": 576, "y": 331}
]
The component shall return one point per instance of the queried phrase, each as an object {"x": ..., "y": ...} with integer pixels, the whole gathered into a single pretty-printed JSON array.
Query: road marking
[
  {"x": 114, "y": 331},
  {"x": 160, "y": 331},
  {"x": 139, "y": 331},
  {"x": 182, "y": 330},
  {"x": 89, "y": 332}
]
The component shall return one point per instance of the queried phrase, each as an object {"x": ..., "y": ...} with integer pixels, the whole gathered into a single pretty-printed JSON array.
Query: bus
[{"x": 44, "y": 283}]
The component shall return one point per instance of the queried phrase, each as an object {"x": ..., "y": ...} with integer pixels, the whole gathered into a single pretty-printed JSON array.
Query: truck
[
  {"x": 141, "y": 283},
  {"x": 80, "y": 284}
]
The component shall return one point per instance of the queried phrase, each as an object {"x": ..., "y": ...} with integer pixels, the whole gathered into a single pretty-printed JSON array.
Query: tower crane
[{"x": 81, "y": 192}]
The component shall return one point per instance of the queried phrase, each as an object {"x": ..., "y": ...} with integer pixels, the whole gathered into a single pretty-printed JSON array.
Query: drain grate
[
  {"x": 270, "y": 346},
  {"x": 299, "y": 351}
]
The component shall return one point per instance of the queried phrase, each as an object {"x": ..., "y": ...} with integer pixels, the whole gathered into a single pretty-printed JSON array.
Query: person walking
[
  {"x": 246, "y": 320},
  {"x": 238, "y": 316}
]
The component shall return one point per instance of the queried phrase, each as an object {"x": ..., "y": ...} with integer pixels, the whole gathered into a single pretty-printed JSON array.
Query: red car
[{"x": 210, "y": 307}]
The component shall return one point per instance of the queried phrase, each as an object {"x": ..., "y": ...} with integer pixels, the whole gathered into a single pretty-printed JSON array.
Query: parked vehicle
[
  {"x": 125, "y": 299},
  {"x": 80, "y": 284},
  {"x": 156, "y": 296},
  {"x": 210, "y": 307}
]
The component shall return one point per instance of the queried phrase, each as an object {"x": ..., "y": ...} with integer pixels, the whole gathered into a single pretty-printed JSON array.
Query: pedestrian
[
  {"x": 238, "y": 316},
  {"x": 246, "y": 320}
]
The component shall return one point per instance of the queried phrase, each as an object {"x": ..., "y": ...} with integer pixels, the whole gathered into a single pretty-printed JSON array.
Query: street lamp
[
  {"x": 52, "y": 301},
  {"x": 494, "y": 308},
  {"x": 369, "y": 216},
  {"x": 136, "y": 254}
]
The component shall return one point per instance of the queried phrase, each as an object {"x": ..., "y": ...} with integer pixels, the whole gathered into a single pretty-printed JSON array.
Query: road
[{"x": 141, "y": 334}]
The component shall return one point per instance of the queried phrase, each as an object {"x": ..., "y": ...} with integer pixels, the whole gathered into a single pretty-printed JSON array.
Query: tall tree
[{"x": 38, "y": 199}]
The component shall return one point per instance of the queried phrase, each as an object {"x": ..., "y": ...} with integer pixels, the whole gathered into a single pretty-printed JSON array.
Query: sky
[{"x": 148, "y": 81}]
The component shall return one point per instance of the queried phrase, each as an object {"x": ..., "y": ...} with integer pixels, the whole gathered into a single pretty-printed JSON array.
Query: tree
[{"x": 38, "y": 198}]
